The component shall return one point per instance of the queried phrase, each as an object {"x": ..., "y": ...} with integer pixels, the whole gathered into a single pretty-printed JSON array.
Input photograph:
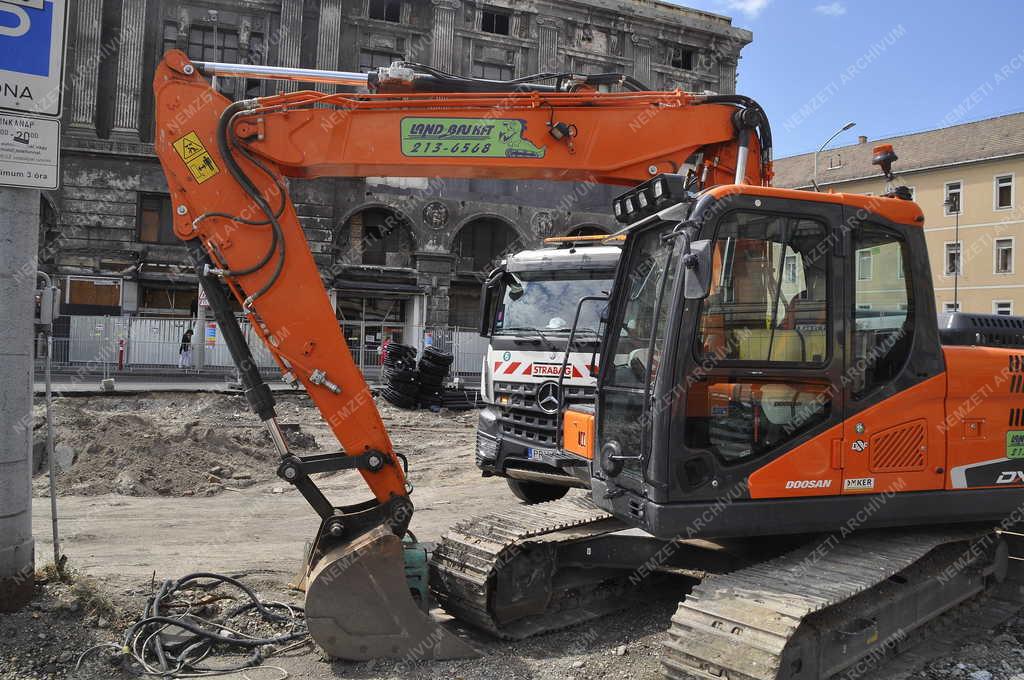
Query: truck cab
[{"x": 530, "y": 373}]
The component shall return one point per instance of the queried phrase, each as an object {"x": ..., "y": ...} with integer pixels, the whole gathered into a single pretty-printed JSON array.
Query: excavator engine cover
[{"x": 359, "y": 605}]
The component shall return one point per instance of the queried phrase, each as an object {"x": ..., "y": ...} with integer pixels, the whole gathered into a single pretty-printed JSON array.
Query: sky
[{"x": 892, "y": 67}]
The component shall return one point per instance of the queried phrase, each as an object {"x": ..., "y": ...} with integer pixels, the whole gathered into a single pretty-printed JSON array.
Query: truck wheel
[{"x": 533, "y": 492}]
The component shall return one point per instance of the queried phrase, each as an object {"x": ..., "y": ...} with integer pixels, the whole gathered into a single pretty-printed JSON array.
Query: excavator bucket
[{"x": 359, "y": 606}]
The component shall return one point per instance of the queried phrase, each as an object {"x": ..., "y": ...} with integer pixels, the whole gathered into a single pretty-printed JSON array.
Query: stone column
[
  {"x": 129, "y": 70},
  {"x": 443, "y": 34},
  {"x": 19, "y": 235},
  {"x": 547, "y": 45},
  {"x": 434, "y": 274},
  {"x": 290, "y": 47},
  {"x": 642, "y": 60},
  {"x": 328, "y": 41},
  {"x": 83, "y": 80},
  {"x": 727, "y": 75}
]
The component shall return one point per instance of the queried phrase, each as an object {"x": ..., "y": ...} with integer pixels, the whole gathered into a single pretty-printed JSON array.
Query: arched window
[
  {"x": 481, "y": 243},
  {"x": 478, "y": 247}
]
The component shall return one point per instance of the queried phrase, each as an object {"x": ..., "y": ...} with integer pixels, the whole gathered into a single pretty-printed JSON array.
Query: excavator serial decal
[
  {"x": 198, "y": 161},
  {"x": 467, "y": 138}
]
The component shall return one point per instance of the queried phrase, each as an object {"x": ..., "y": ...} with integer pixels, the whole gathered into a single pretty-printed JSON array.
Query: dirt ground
[{"x": 167, "y": 484}]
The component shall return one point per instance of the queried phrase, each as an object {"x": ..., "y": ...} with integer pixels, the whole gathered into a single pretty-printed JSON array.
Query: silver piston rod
[{"x": 258, "y": 71}]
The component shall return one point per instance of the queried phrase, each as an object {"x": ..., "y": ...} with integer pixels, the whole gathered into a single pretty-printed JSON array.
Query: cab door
[{"x": 895, "y": 392}]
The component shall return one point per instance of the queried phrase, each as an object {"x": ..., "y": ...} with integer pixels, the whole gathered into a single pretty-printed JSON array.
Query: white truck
[{"x": 529, "y": 303}]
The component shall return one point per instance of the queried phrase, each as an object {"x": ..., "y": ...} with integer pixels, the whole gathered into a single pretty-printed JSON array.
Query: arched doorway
[
  {"x": 373, "y": 305},
  {"x": 478, "y": 247}
]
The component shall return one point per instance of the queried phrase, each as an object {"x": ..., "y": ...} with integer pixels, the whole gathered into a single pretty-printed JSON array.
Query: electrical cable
[{"x": 196, "y": 638}]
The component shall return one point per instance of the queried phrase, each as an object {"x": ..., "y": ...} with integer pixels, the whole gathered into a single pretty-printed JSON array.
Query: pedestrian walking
[{"x": 185, "y": 350}]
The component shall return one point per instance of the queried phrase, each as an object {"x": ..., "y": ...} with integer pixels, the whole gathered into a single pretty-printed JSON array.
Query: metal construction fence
[{"x": 122, "y": 344}]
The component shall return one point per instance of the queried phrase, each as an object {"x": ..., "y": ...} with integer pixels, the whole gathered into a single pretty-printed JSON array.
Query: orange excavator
[{"x": 771, "y": 369}]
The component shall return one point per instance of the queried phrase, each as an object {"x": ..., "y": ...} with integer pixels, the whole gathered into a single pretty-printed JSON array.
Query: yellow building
[{"x": 965, "y": 179}]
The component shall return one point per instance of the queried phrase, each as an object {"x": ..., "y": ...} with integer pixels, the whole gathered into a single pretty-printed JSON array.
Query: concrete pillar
[
  {"x": 434, "y": 274},
  {"x": 443, "y": 36},
  {"x": 129, "y": 71},
  {"x": 290, "y": 48},
  {"x": 84, "y": 78},
  {"x": 547, "y": 45},
  {"x": 19, "y": 243}
]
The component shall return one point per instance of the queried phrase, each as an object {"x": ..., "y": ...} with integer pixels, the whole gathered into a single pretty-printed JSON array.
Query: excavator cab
[{"x": 775, "y": 349}]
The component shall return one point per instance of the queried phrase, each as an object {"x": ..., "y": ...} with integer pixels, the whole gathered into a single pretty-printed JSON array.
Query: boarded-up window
[
  {"x": 155, "y": 224},
  {"x": 94, "y": 292}
]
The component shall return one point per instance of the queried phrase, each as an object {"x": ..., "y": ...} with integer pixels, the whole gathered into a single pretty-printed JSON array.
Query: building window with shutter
[
  {"x": 492, "y": 71},
  {"x": 680, "y": 57},
  {"x": 1002, "y": 307},
  {"x": 953, "y": 261},
  {"x": 373, "y": 59},
  {"x": 494, "y": 22},
  {"x": 954, "y": 201},
  {"x": 386, "y": 10},
  {"x": 1003, "y": 192},
  {"x": 1004, "y": 256}
]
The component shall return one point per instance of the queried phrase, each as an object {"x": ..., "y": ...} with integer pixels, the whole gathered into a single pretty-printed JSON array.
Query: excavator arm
[{"x": 227, "y": 166}]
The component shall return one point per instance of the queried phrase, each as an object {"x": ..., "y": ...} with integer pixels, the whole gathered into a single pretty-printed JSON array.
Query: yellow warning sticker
[{"x": 198, "y": 160}]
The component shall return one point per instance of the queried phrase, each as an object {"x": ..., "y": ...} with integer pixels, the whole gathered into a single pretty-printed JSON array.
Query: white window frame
[
  {"x": 945, "y": 256},
  {"x": 995, "y": 254},
  {"x": 996, "y": 303},
  {"x": 995, "y": 192},
  {"x": 864, "y": 306},
  {"x": 871, "y": 266},
  {"x": 949, "y": 307},
  {"x": 945, "y": 196}
]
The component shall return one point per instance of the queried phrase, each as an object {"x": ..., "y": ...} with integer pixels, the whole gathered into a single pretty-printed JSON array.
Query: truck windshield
[{"x": 548, "y": 299}]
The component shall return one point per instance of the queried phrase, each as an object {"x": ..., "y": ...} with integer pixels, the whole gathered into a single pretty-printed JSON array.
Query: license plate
[{"x": 541, "y": 454}]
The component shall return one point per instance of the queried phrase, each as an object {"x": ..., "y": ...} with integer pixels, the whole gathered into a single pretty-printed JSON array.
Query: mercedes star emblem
[{"x": 547, "y": 397}]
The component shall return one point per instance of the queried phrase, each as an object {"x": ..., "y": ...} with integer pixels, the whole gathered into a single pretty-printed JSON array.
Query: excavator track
[
  {"x": 496, "y": 571},
  {"x": 830, "y": 606}
]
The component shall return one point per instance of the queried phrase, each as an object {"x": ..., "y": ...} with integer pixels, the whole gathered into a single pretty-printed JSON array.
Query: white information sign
[{"x": 29, "y": 152}]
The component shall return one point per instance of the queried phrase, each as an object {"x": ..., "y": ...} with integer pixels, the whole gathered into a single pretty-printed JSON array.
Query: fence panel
[{"x": 153, "y": 344}]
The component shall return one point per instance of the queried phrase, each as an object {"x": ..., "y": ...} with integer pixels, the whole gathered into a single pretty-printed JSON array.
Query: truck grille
[{"x": 523, "y": 420}]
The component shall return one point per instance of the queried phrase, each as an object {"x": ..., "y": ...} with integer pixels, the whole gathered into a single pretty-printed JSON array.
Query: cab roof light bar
[{"x": 652, "y": 196}]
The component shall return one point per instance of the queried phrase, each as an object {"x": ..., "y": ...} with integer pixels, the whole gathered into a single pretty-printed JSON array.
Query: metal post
[
  {"x": 19, "y": 241},
  {"x": 51, "y": 459}
]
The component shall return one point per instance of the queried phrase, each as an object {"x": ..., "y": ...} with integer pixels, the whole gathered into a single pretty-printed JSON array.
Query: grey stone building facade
[{"x": 396, "y": 252}]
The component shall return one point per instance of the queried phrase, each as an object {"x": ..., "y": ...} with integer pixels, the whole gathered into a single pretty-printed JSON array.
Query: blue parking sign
[
  {"x": 25, "y": 38},
  {"x": 32, "y": 36}
]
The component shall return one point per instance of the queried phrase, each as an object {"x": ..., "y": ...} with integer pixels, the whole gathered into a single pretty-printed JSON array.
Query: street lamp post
[
  {"x": 814, "y": 177},
  {"x": 953, "y": 205}
]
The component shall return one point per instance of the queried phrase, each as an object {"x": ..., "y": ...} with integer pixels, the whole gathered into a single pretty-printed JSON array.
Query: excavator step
[{"x": 825, "y": 607}]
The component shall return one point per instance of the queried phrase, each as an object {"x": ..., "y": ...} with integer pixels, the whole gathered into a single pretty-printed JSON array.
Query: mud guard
[{"x": 359, "y": 607}]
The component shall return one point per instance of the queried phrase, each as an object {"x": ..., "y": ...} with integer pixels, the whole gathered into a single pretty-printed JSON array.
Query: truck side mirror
[
  {"x": 697, "y": 270},
  {"x": 488, "y": 300}
]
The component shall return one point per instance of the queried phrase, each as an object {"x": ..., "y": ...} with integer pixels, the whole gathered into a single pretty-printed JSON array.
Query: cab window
[
  {"x": 770, "y": 293},
  {"x": 883, "y": 308}
]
